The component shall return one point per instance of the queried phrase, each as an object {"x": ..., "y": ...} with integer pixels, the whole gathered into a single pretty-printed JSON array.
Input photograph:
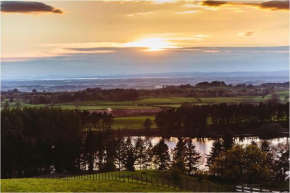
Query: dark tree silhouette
[
  {"x": 215, "y": 152},
  {"x": 161, "y": 156},
  {"x": 192, "y": 157}
]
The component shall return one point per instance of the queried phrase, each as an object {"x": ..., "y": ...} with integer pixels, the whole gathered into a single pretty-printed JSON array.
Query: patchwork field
[
  {"x": 153, "y": 102},
  {"x": 133, "y": 120}
]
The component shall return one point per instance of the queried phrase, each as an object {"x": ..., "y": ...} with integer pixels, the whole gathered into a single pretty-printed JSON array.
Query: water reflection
[{"x": 204, "y": 145}]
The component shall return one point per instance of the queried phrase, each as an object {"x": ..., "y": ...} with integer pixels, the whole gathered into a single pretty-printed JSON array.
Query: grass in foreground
[
  {"x": 121, "y": 183},
  {"x": 163, "y": 178},
  {"x": 57, "y": 185}
]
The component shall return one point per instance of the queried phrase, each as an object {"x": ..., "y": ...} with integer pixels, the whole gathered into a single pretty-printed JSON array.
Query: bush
[{"x": 109, "y": 166}]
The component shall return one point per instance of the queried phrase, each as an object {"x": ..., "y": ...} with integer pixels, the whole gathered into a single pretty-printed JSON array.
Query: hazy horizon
[{"x": 151, "y": 75}]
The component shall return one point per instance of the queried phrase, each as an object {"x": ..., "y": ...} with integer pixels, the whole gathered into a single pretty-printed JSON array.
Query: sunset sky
[{"x": 135, "y": 37}]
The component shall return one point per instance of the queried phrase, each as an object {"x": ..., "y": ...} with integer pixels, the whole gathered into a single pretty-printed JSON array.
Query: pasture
[
  {"x": 124, "y": 181},
  {"x": 58, "y": 185}
]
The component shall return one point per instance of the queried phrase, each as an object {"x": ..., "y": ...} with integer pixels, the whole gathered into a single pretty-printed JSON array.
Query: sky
[{"x": 75, "y": 38}]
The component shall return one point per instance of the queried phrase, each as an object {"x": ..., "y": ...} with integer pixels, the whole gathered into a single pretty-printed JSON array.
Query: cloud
[
  {"x": 28, "y": 7},
  {"x": 275, "y": 5},
  {"x": 51, "y": 54},
  {"x": 269, "y": 5},
  {"x": 249, "y": 33},
  {"x": 214, "y": 3}
]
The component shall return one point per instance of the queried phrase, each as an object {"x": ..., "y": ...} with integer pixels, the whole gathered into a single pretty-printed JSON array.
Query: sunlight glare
[{"x": 153, "y": 44}]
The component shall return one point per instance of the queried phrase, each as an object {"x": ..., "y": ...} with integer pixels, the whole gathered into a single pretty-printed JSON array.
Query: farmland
[
  {"x": 153, "y": 102},
  {"x": 135, "y": 121}
]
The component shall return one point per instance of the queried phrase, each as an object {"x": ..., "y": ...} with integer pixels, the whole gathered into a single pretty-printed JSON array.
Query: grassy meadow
[
  {"x": 57, "y": 185},
  {"x": 119, "y": 182},
  {"x": 92, "y": 183}
]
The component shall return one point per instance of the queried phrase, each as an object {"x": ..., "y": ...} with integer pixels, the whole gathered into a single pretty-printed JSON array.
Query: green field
[
  {"x": 57, "y": 185},
  {"x": 171, "y": 100},
  {"x": 122, "y": 183},
  {"x": 153, "y": 102},
  {"x": 282, "y": 94},
  {"x": 131, "y": 122}
]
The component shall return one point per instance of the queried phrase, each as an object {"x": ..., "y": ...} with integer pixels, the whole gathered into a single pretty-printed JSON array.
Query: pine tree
[
  {"x": 215, "y": 152},
  {"x": 179, "y": 150},
  {"x": 120, "y": 150},
  {"x": 228, "y": 142},
  {"x": 147, "y": 162},
  {"x": 90, "y": 150},
  {"x": 192, "y": 157},
  {"x": 161, "y": 155},
  {"x": 128, "y": 157},
  {"x": 142, "y": 152}
]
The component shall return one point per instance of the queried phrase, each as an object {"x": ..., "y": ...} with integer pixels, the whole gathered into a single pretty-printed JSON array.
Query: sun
[{"x": 153, "y": 44}]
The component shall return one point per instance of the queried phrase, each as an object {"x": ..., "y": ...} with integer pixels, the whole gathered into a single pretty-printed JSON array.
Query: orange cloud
[
  {"x": 28, "y": 7},
  {"x": 270, "y": 5}
]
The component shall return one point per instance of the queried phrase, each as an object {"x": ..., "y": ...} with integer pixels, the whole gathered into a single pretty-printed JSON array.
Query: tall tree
[
  {"x": 216, "y": 149},
  {"x": 192, "y": 157},
  {"x": 179, "y": 150},
  {"x": 128, "y": 156},
  {"x": 161, "y": 155},
  {"x": 120, "y": 151},
  {"x": 90, "y": 148},
  {"x": 227, "y": 142},
  {"x": 142, "y": 153}
]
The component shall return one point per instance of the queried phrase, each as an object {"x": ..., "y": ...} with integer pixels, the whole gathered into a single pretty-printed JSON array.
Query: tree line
[
  {"x": 223, "y": 118},
  {"x": 202, "y": 89},
  {"x": 41, "y": 140}
]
